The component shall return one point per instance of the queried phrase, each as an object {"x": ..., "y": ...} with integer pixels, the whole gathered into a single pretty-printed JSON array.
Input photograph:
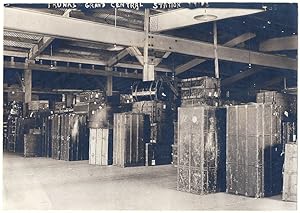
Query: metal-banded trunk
[
  {"x": 69, "y": 137},
  {"x": 100, "y": 147},
  {"x": 131, "y": 133},
  {"x": 254, "y": 161},
  {"x": 201, "y": 150},
  {"x": 289, "y": 192}
]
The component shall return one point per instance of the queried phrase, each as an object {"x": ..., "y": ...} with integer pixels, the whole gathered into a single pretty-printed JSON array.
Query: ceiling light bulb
[
  {"x": 269, "y": 22},
  {"x": 205, "y": 17},
  {"x": 264, "y": 27},
  {"x": 282, "y": 31}
]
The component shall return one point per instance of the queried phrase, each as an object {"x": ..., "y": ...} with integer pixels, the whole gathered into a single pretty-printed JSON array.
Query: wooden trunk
[
  {"x": 32, "y": 145},
  {"x": 131, "y": 133},
  {"x": 100, "y": 147},
  {"x": 201, "y": 150},
  {"x": 254, "y": 161},
  {"x": 290, "y": 176}
]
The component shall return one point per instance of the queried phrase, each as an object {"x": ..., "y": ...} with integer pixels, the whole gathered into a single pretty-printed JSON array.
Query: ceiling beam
[
  {"x": 186, "y": 17},
  {"x": 19, "y": 39},
  {"x": 44, "y": 42},
  {"x": 278, "y": 44},
  {"x": 230, "y": 80},
  {"x": 205, "y": 49},
  {"x": 115, "y": 59},
  {"x": 40, "y": 23},
  {"x": 15, "y": 54},
  {"x": 72, "y": 59},
  {"x": 83, "y": 71},
  {"x": 196, "y": 61}
]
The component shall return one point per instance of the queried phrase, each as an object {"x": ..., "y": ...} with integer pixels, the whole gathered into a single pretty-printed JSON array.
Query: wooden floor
[{"x": 41, "y": 183}]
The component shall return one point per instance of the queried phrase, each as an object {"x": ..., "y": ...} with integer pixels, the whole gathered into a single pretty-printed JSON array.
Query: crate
[
  {"x": 131, "y": 133},
  {"x": 253, "y": 151},
  {"x": 201, "y": 150},
  {"x": 289, "y": 192},
  {"x": 32, "y": 145},
  {"x": 100, "y": 147}
]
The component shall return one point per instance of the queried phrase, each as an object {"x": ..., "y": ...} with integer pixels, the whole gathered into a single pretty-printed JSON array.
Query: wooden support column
[
  {"x": 148, "y": 72},
  {"x": 28, "y": 84},
  {"x": 109, "y": 82},
  {"x": 217, "y": 75}
]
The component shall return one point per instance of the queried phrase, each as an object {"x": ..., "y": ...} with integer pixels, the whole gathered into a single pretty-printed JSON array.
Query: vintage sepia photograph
[{"x": 150, "y": 106}]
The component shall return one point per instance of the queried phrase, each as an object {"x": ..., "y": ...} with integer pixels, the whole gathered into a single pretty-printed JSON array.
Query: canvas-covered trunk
[{"x": 201, "y": 150}]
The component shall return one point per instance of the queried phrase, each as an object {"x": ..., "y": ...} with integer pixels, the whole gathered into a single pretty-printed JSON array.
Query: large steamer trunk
[
  {"x": 254, "y": 150},
  {"x": 201, "y": 150},
  {"x": 131, "y": 133},
  {"x": 70, "y": 137}
]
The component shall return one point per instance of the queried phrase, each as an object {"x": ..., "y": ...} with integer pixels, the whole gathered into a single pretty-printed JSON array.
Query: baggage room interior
[{"x": 150, "y": 106}]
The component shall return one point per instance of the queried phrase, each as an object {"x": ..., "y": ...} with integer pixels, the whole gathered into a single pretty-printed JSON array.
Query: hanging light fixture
[
  {"x": 115, "y": 47},
  {"x": 205, "y": 17}
]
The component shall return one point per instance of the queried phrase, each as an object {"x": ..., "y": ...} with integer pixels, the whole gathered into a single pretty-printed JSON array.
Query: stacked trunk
[
  {"x": 69, "y": 137},
  {"x": 290, "y": 173},
  {"x": 131, "y": 133},
  {"x": 254, "y": 161},
  {"x": 100, "y": 147},
  {"x": 200, "y": 91},
  {"x": 201, "y": 150},
  {"x": 161, "y": 134},
  {"x": 285, "y": 102}
]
